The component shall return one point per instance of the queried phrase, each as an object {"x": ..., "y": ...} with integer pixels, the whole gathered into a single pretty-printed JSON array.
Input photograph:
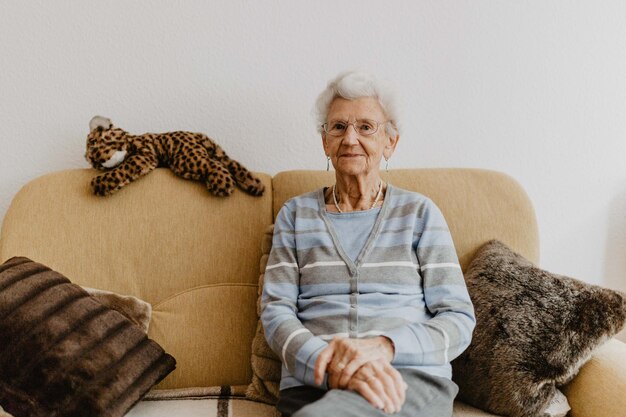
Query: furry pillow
[
  {"x": 135, "y": 309},
  {"x": 266, "y": 365},
  {"x": 64, "y": 353},
  {"x": 534, "y": 331}
]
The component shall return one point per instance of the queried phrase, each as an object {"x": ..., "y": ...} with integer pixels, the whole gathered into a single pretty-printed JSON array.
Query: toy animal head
[{"x": 107, "y": 145}]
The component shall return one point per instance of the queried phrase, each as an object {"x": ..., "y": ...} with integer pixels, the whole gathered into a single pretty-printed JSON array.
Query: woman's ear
[
  {"x": 390, "y": 147},
  {"x": 325, "y": 145}
]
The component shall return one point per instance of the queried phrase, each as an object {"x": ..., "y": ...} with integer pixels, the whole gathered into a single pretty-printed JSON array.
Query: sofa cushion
[
  {"x": 64, "y": 353},
  {"x": 218, "y": 401},
  {"x": 227, "y": 401},
  {"x": 266, "y": 365},
  {"x": 239, "y": 407},
  {"x": 598, "y": 389},
  {"x": 534, "y": 331}
]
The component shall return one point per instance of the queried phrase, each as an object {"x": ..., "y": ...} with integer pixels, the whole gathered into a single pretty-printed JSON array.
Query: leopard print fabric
[{"x": 193, "y": 156}]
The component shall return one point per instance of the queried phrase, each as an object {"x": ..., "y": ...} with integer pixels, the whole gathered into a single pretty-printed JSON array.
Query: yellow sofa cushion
[{"x": 598, "y": 390}]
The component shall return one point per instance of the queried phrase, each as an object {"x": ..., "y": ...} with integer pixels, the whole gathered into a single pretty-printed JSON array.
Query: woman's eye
[
  {"x": 339, "y": 126},
  {"x": 367, "y": 125}
]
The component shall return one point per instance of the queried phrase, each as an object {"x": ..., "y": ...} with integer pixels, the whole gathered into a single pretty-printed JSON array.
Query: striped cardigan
[{"x": 406, "y": 284}]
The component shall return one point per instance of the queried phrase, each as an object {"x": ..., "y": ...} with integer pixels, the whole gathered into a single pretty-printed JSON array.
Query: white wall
[{"x": 536, "y": 89}]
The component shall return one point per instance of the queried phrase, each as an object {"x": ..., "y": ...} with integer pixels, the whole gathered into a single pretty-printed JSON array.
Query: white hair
[{"x": 352, "y": 85}]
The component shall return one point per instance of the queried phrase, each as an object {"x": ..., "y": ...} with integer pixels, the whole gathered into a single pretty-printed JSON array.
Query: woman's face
[{"x": 353, "y": 153}]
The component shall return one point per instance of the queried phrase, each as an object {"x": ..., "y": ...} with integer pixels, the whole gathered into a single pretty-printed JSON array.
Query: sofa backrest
[
  {"x": 195, "y": 257},
  {"x": 478, "y": 204}
]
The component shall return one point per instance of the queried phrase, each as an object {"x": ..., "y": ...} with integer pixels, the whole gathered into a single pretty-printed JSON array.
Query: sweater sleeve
[
  {"x": 448, "y": 332},
  {"x": 294, "y": 344}
]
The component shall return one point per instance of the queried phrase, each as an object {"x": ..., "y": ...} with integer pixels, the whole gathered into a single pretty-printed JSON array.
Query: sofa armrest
[{"x": 598, "y": 389}]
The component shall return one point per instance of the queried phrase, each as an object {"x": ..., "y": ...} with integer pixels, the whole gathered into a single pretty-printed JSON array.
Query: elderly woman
[{"x": 364, "y": 300}]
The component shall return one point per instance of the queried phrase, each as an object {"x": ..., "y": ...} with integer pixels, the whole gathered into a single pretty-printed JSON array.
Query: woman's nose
[{"x": 351, "y": 133}]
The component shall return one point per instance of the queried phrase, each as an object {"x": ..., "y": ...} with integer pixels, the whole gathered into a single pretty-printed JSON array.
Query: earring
[
  {"x": 327, "y": 163},
  {"x": 386, "y": 164}
]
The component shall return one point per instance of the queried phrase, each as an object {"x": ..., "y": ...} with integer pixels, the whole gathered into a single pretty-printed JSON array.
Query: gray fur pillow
[{"x": 534, "y": 331}]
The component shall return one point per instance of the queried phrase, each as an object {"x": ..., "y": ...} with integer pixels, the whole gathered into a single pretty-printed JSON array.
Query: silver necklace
[{"x": 380, "y": 193}]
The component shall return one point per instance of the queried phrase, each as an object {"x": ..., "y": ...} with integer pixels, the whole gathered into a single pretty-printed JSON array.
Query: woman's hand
[
  {"x": 381, "y": 385},
  {"x": 344, "y": 356},
  {"x": 363, "y": 365}
]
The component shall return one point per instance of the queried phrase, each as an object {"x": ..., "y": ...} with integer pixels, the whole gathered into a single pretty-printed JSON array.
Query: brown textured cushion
[
  {"x": 534, "y": 331},
  {"x": 265, "y": 364},
  {"x": 64, "y": 353}
]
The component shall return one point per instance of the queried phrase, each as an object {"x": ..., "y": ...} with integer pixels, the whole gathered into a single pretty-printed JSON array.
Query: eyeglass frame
[{"x": 378, "y": 125}]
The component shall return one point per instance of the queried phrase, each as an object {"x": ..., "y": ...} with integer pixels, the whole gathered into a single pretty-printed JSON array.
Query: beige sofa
[{"x": 196, "y": 259}]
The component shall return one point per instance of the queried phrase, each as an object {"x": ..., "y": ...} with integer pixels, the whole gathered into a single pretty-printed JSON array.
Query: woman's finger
[
  {"x": 356, "y": 353},
  {"x": 366, "y": 392},
  {"x": 388, "y": 385},
  {"x": 373, "y": 373},
  {"x": 341, "y": 356},
  {"x": 354, "y": 356},
  {"x": 350, "y": 370},
  {"x": 398, "y": 382},
  {"x": 400, "y": 385},
  {"x": 377, "y": 386},
  {"x": 323, "y": 359},
  {"x": 333, "y": 378},
  {"x": 344, "y": 354},
  {"x": 392, "y": 380}
]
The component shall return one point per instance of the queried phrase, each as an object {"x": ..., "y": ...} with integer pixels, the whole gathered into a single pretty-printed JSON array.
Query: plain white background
[{"x": 536, "y": 89}]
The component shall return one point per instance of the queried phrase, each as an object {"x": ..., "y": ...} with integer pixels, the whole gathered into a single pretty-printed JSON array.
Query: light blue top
[{"x": 353, "y": 229}]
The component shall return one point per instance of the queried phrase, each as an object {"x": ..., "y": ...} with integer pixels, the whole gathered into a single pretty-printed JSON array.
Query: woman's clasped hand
[{"x": 364, "y": 366}]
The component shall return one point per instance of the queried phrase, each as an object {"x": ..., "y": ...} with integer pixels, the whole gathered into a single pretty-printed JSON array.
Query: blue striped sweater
[{"x": 406, "y": 284}]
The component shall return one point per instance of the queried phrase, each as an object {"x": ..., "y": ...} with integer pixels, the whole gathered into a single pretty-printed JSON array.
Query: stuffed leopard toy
[{"x": 190, "y": 155}]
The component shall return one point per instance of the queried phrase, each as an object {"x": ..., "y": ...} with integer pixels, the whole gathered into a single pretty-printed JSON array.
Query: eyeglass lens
[{"x": 363, "y": 127}]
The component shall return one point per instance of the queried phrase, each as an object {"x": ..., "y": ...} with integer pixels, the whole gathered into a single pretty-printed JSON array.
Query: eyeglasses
[{"x": 364, "y": 127}]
